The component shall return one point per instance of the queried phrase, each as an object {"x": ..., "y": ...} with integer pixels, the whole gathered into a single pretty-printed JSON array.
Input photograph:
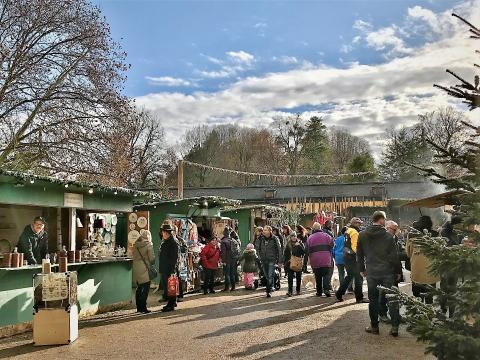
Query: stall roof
[
  {"x": 446, "y": 198},
  {"x": 21, "y": 179},
  {"x": 254, "y": 207},
  {"x": 211, "y": 201}
]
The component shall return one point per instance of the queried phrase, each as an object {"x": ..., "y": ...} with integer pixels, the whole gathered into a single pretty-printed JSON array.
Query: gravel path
[{"x": 241, "y": 324}]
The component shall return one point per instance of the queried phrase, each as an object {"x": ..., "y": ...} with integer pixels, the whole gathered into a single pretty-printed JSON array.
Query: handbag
[
  {"x": 152, "y": 271},
  {"x": 296, "y": 263},
  {"x": 173, "y": 288}
]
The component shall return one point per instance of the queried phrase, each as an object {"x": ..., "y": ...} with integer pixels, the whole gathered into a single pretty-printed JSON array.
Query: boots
[
  {"x": 372, "y": 330},
  {"x": 394, "y": 331}
]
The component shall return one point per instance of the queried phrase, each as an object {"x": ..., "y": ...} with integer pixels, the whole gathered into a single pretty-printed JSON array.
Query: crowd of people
[{"x": 374, "y": 253}]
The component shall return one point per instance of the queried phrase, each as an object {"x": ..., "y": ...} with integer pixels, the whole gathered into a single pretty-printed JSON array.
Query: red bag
[{"x": 173, "y": 288}]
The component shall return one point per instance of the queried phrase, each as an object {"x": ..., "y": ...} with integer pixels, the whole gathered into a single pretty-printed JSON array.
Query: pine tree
[{"x": 457, "y": 336}]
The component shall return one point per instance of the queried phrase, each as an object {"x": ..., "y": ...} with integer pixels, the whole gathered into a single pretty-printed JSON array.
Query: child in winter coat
[{"x": 250, "y": 266}]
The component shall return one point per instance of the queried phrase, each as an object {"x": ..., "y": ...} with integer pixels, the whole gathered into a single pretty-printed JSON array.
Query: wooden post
[
  {"x": 180, "y": 179},
  {"x": 72, "y": 244}
]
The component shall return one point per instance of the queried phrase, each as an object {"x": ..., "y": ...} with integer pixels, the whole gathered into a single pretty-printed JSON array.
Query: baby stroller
[{"x": 276, "y": 278}]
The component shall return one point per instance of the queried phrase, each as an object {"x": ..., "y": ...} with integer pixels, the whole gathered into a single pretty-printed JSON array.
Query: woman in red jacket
[{"x": 210, "y": 255}]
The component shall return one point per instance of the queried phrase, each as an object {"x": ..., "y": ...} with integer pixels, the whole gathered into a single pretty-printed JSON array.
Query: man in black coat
[
  {"x": 33, "y": 242},
  {"x": 377, "y": 258},
  {"x": 167, "y": 259}
]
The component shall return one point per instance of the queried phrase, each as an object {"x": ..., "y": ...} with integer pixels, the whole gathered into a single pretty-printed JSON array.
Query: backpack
[
  {"x": 234, "y": 249},
  {"x": 347, "y": 251}
]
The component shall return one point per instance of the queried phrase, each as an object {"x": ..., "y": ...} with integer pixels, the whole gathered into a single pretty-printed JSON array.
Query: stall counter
[{"x": 102, "y": 285}]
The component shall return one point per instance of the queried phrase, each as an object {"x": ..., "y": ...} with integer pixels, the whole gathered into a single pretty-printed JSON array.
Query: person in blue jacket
[{"x": 338, "y": 254}]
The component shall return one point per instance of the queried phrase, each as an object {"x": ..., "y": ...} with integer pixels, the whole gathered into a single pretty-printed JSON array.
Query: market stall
[
  {"x": 84, "y": 221},
  {"x": 250, "y": 216},
  {"x": 197, "y": 219}
]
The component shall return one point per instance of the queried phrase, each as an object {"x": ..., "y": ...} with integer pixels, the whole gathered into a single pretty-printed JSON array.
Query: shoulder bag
[{"x": 152, "y": 271}]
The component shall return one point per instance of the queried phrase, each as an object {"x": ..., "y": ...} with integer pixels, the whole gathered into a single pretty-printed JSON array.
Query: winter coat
[
  {"x": 33, "y": 246},
  {"x": 269, "y": 249},
  {"x": 226, "y": 250},
  {"x": 251, "y": 261},
  {"x": 449, "y": 233},
  {"x": 210, "y": 256},
  {"x": 302, "y": 238},
  {"x": 296, "y": 248},
  {"x": 319, "y": 248},
  {"x": 377, "y": 249},
  {"x": 419, "y": 264},
  {"x": 139, "y": 269},
  {"x": 338, "y": 250},
  {"x": 168, "y": 256}
]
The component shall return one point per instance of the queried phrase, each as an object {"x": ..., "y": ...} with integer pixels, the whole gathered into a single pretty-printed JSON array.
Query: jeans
[
  {"x": 352, "y": 274},
  {"x": 341, "y": 276},
  {"x": 229, "y": 270},
  {"x": 305, "y": 263},
  {"x": 209, "y": 280},
  {"x": 269, "y": 273},
  {"x": 141, "y": 295},
  {"x": 321, "y": 279},
  {"x": 375, "y": 299},
  {"x": 298, "y": 280},
  {"x": 171, "y": 301},
  {"x": 329, "y": 280},
  {"x": 421, "y": 291}
]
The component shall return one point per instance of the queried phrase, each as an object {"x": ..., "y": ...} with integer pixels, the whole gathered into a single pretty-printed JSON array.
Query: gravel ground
[{"x": 242, "y": 324}]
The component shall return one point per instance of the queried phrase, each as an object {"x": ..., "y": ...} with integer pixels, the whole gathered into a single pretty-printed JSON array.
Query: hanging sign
[{"x": 72, "y": 200}]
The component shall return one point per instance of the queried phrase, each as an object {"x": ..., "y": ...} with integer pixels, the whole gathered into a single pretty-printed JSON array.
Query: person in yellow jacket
[
  {"x": 350, "y": 259},
  {"x": 419, "y": 263}
]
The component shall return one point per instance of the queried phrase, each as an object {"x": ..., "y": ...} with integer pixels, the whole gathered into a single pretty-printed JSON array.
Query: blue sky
[
  {"x": 247, "y": 62},
  {"x": 177, "y": 38}
]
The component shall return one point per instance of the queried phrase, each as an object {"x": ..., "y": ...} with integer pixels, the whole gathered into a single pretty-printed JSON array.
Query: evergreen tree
[
  {"x": 457, "y": 336},
  {"x": 315, "y": 147}
]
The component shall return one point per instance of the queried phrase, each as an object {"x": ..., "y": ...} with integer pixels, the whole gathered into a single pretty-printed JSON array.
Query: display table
[{"x": 102, "y": 285}]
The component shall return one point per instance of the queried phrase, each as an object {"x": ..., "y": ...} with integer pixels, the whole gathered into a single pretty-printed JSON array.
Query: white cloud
[
  {"x": 417, "y": 12},
  {"x": 362, "y": 25},
  {"x": 386, "y": 38},
  {"x": 367, "y": 99},
  {"x": 260, "y": 25},
  {"x": 169, "y": 81},
  {"x": 241, "y": 56},
  {"x": 287, "y": 60},
  {"x": 234, "y": 63}
]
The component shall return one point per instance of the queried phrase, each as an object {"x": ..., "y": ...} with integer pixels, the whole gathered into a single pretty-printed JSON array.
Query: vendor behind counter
[{"x": 33, "y": 242}]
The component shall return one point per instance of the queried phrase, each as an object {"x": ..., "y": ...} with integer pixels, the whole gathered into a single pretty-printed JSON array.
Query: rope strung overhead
[{"x": 285, "y": 176}]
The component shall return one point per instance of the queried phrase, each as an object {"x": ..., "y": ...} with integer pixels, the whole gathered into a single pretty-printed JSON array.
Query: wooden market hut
[{"x": 67, "y": 207}]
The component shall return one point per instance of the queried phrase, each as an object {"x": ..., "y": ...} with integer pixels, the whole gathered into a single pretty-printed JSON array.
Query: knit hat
[
  {"x": 146, "y": 235},
  {"x": 250, "y": 246}
]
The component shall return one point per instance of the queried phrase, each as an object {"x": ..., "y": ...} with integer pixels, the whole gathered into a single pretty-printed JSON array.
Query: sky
[{"x": 366, "y": 66}]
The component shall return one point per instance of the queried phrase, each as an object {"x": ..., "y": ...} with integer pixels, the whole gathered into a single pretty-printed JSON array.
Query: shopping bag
[
  {"x": 296, "y": 263},
  {"x": 173, "y": 288}
]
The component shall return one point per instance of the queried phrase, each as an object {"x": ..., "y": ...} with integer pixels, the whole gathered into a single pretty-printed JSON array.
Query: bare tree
[
  {"x": 344, "y": 147},
  {"x": 290, "y": 133},
  {"x": 60, "y": 81},
  {"x": 135, "y": 155}
]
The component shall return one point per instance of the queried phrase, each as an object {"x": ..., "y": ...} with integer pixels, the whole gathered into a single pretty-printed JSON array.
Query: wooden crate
[{"x": 55, "y": 326}]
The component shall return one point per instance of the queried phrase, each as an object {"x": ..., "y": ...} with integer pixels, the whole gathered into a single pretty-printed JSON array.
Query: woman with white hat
[{"x": 143, "y": 257}]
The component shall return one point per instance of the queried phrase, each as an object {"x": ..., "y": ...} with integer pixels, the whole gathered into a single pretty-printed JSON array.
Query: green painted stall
[
  {"x": 199, "y": 207},
  {"x": 249, "y": 216},
  {"x": 102, "y": 284}
]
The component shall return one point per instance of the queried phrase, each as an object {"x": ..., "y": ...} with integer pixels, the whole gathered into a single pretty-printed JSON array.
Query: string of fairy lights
[{"x": 281, "y": 176}]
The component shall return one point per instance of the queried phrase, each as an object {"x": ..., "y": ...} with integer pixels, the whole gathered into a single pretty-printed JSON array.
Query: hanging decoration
[{"x": 283, "y": 176}]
